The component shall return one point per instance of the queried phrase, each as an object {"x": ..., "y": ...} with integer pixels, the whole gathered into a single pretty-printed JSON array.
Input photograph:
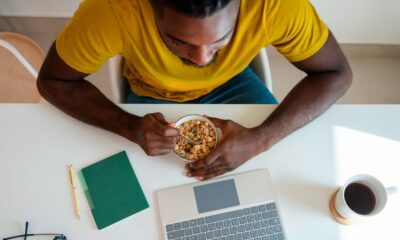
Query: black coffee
[{"x": 360, "y": 198}]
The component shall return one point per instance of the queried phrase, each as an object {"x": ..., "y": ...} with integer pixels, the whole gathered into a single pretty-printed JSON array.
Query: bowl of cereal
[{"x": 198, "y": 137}]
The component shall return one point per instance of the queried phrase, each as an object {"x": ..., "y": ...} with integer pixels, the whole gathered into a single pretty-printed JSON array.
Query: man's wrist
[
  {"x": 128, "y": 126},
  {"x": 266, "y": 137}
]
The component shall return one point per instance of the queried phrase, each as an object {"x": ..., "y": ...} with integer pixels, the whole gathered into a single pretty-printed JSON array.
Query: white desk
[{"x": 37, "y": 142}]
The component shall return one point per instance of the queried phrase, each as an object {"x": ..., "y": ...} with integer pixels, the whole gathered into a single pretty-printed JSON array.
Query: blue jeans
[{"x": 246, "y": 87}]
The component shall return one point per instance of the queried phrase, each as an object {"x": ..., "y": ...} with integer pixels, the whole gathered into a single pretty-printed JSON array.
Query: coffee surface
[{"x": 360, "y": 198}]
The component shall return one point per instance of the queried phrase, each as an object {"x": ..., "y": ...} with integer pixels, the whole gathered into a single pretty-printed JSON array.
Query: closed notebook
[{"x": 113, "y": 190}]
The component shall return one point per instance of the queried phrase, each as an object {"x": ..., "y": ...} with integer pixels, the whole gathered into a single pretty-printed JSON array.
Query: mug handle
[{"x": 391, "y": 190}]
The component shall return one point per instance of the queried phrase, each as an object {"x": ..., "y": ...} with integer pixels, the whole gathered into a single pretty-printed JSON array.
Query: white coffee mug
[{"x": 379, "y": 192}]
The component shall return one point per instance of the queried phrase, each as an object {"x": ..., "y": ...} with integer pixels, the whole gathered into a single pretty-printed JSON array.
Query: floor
[{"x": 376, "y": 68}]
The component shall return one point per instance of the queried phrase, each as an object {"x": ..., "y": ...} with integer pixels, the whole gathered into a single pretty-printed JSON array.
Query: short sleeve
[
  {"x": 91, "y": 37},
  {"x": 295, "y": 29}
]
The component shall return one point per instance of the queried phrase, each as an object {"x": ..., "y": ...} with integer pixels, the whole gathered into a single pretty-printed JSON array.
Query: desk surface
[{"x": 37, "y": 142}]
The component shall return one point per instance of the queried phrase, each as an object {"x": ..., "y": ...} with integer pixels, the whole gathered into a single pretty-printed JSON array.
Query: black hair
[{"x": 195, "y": 8}]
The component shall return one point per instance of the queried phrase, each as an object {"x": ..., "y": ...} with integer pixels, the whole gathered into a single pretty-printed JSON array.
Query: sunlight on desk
[{"x": 360, "y": 152}]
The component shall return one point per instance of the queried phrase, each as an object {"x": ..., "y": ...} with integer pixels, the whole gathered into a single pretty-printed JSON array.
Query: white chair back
[{"x": 261, "y": 68}]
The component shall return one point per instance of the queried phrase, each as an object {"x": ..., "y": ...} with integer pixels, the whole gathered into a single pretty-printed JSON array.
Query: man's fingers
[
  {"x": 199, "y": 164},
  {"x": 160, "y": 118},
  {"x": 158, "y": 152},
  {"x": 164, "y": 129},
  {"x": 213, "y": 174},
  {"x": 205, "y": 171},
  {"x": 162, "y": 145},
  {"x": 205, "y": 162},
  {"x": 168, "y": 140}
]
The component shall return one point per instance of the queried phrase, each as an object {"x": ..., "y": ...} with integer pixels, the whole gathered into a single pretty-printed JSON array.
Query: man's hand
[
  {"x": 155, "y": 135},
  {"x": 238, "y": 145}
]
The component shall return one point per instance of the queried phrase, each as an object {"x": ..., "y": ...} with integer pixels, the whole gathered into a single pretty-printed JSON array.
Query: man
[{"x": 195, "y": 51}]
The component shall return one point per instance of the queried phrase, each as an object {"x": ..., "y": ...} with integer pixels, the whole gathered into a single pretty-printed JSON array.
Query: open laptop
[{"x": 237, "y": 207}]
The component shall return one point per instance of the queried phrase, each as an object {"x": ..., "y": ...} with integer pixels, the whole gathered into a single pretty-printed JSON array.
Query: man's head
[{"x": 195, "y": 30}]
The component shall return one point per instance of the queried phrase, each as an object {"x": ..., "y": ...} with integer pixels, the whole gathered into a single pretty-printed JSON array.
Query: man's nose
[{"x": 201, "y": 55}]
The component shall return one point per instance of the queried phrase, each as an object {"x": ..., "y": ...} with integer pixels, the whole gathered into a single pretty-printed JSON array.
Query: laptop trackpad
[{"x": 215, "y": 196}]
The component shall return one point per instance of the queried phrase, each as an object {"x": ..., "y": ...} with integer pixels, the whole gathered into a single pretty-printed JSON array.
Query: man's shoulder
[
  {"x": 248, "y": 5},
  {"x": 124, "y": 6},
  {"x": 264, "y": 9},
  {"x": 101, "y": 7},
  {"x": 266, "y": 6}
]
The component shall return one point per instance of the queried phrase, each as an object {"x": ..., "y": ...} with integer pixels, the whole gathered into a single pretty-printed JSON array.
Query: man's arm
[
  {"x": 328, "y": 78},
  {"x": 67, "y": 89}
]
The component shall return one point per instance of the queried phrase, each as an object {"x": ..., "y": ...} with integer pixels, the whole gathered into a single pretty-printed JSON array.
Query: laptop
[{"x": 237, "y": 207}]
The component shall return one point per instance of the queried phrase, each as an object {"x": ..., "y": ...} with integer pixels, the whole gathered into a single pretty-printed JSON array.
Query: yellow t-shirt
[{"x": 101, "y": 29}]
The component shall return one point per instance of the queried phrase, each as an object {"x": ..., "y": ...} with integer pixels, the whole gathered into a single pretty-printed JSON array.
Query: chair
[
  {"x": 261, "y": 68},
  {"x": 119, "y": 86},
  {"x": 21, "y": 58}
]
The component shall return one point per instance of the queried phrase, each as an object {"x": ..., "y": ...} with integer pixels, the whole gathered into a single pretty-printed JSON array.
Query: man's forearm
[
  {"x": 82, "y": 100},
  {"x": 309, "y": 99}
]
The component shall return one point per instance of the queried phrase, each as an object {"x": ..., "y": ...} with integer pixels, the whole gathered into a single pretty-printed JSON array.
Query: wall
[
  {"x": 38, "y": 8},
  {"x": 362, "y": 21},
  {"x": 352, "y": 21}
]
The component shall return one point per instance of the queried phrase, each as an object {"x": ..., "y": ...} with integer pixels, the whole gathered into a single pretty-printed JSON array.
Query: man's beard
[{"x": 192, "y": 64}]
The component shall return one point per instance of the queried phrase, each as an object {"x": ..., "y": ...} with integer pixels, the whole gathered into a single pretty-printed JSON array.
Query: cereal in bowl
[{"x": 197, "y": 141}]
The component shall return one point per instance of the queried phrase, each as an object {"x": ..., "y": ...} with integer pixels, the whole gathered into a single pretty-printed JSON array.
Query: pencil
[{"x": 73, "y": 187}]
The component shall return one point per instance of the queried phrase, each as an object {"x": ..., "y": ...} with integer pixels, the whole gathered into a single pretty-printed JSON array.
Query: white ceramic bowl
[{"x": 195, "y": 117}]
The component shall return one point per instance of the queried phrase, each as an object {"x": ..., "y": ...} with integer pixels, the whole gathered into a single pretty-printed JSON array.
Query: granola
[{"x": 199, "y": 139}]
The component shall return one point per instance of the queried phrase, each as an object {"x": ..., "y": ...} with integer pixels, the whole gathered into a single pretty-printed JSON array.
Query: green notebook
[{"x": 112, "y": 190}]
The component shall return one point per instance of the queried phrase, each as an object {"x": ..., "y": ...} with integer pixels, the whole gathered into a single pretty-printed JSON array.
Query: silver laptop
[{"x": 237, "y": 207}]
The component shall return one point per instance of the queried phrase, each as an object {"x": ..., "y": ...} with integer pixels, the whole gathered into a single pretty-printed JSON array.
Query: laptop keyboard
[{"x": 259, "y": 222}]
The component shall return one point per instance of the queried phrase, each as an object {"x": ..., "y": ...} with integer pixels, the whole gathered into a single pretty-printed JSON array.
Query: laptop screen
[{"x": 217, "y": 195}]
